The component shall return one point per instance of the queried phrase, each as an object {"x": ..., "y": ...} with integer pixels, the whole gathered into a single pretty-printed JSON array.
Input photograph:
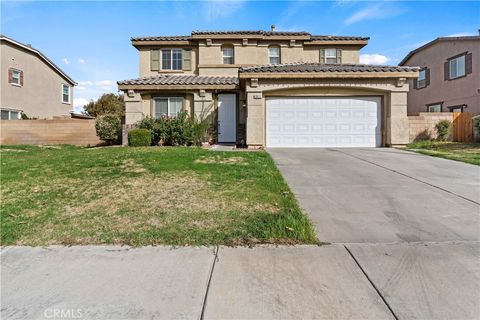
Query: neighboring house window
[
  {"x": 15, "y": 77},
  {"x": 274, "y": 55},
  {"x": 168, "y": 106},
  {"x": 435, "y": 107},
  {"x": 423, "y": 78},
  {"x": 458, "y": 66},
  {"x": 10, "y": 114},
  {"x": 227, "y": 54},
  {"x": 457, "y": 108},
  {"x": 65, "y": 93},
  {"x": 171, "y": 59},
  {"x": 330, "y": 56}
]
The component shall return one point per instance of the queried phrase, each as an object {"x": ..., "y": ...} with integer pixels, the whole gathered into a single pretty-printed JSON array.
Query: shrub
[
  {"x": 108, "y": 128},
  {"x": 140, "y": 138},
  {"x": 444, "y": 128}
]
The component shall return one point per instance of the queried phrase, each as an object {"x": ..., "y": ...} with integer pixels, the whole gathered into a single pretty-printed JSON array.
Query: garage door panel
[{"x": 323, "y": 122}]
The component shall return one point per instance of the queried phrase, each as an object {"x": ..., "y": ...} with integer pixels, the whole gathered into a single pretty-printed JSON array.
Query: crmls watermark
[{"x": 57, "y": 313}]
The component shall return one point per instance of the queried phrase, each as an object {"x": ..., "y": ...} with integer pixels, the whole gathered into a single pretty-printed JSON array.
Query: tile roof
[
  {"x": 337, "y": 38},
  {"x": 175, "y": 79},
  {"x": 317, "y": 67},
  {"x": 161, "y": 38},
  {"x": 251, "y": 32}
]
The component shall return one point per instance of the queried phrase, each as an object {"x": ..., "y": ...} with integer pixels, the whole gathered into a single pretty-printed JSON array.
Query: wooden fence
[
  {"x": 55, "y": 131},
  {"x": 462, "y": 127}
]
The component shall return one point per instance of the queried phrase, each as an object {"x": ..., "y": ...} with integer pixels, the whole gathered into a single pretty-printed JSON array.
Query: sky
[{"x": 90, "y": 40}]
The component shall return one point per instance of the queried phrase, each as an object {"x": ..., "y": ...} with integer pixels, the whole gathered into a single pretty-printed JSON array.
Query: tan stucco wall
[
  {"x": 41, "y": 93},
  {"x": 394, "y": 96},
  {"x": 464, "y": 90}
]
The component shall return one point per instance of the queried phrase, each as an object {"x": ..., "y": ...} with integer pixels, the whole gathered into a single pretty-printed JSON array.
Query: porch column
[
  {"x": 133, "y": 107},
  {"x": 255, "y": 119},
  {"x": 203, "y": 106},
  {"x": 397, "y": 120}
]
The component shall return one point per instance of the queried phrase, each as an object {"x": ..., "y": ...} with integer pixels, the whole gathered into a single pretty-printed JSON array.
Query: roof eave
[
  {"x": 360, "y": 43},
  {"x": 124, "y": 87},
  {"x": 309, "y": 75}
]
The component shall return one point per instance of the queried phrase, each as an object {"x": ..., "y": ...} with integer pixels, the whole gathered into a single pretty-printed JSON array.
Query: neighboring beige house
[
  {"x": 31, "y": 83},
  {"x": 449, "y": 78},
  {"x": 272, "y": 88}
]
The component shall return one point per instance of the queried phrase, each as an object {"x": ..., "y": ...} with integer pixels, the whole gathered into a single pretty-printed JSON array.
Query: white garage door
[{"x": 323, "y": 122}]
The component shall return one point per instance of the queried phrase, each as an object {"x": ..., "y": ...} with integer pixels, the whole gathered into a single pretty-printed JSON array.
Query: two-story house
[
  {"x": 449, "y": 78},
  {"x": 31, "y": 83},
  {"x": 272, "y": 88}
]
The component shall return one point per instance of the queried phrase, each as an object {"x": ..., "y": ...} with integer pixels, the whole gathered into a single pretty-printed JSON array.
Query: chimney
[{"x": 272, "y": 28}]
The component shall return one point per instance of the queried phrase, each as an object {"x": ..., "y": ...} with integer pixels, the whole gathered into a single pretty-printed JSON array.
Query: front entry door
[{"x": 227, "y": 117}]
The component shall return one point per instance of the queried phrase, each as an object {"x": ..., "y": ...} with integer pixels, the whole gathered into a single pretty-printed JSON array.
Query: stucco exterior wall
[
  {"x": 41, "y": 93},
  {"x": 394, "y": 99},
  {"x": 455, "y": 92}
]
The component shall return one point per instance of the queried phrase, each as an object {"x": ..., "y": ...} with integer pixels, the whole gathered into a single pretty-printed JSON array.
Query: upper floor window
[
  {"x": 171, "y": 59},
  {"x": 435, "y": 107},
  {"x": 459, "y": 66},
  {"x": 423, "y": 79},
  {"x": 168, "y": 106},
  {"x": 330, "y": 56},
  {"x": 65, "y": 93},
  {"x": 274, "y": 55},
  {"x": 15, "y": 77},
  {"x": 227, "y": 54}
]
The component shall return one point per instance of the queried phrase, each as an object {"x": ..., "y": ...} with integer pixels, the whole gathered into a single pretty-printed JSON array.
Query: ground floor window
[
  {"x": 168, "y": 106},
  {"x": 457, "y": 108},
  {"x": 11, "y": 114},
  {"x": 436, "y": 107}
]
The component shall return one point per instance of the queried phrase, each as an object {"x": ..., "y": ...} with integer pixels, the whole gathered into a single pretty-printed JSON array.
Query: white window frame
[
  {"x": 69, "y": 93},
  {"x": 18, "y": 82},
  {"x": 224, "y": 56},
  {"x": 273, "y": 56},
  {"x": 454, "y": 66},
  {"x": 19, "y": 114},
  {"x": 440, "y": 105},
  {"x": 171, "y": 50},
  {"x": 169, "y": 99},
  {"x": 326, "y": 57}
]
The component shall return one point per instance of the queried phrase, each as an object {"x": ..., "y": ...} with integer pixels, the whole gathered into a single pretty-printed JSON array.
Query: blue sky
[{"x": 91, "y": 40}]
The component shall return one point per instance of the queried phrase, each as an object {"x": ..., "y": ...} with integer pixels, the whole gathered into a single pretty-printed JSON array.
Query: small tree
[
  {"x": 108, "y": 128},
  {"x": 444, "y": 129},
  {"x": 108, "y": 103}
]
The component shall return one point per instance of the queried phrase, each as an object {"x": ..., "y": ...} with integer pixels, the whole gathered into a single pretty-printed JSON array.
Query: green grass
[
  {"x": 465, "y": 152},
  {"x": 145, "y": 196}
]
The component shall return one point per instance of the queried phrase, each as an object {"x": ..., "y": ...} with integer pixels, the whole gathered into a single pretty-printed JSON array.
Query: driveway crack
[
  {"x": 371, "y": 282},
  {"x": 215, "y": 258}
]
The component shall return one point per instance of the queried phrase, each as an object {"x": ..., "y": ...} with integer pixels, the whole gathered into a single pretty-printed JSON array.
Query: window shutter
[
  {"x": 187, "y": 59},
  {"x": 21, "y": 78},
  {"x": 322, "y": 55},
  {"x": 468, "y": 63},
  {"x": 339, "y": 56},
  {"x": 415, "y": 83},
  {"x": 10, "y": 75},
  {"x": 427, "y": 77},
  {"x": 446, "y": 70},
  {"x": 155, "y": 60}
]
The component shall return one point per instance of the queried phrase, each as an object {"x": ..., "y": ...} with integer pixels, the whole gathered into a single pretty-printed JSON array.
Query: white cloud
[
  {"x": 377, "y": 11},
  {"x": 91, "y": 90},
  {"x": 221, "y": 8},
  {"x": 462, "y": 34},
  {"x": 65, "y": 60},
  {"x": 80, "y": 60},
  {"x": 376, "y": 59},
  {"x": 78, "y": 104}
]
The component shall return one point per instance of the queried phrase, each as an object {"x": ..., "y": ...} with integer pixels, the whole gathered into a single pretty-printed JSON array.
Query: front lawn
[
  {"x": 145, "y": 196},
  {"x": 465, "y": 152}
]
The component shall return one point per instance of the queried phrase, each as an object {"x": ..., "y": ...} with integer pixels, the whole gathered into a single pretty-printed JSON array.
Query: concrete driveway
[{"x": 411, "y": 222}]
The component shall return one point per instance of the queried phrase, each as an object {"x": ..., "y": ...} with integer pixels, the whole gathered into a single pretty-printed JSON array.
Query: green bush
[
  {"x": 108, "y": 128},
  {"x": 181, "y": 130},
  {"x": 444, "y": 129},
  {"x": 140, "y": 138}
]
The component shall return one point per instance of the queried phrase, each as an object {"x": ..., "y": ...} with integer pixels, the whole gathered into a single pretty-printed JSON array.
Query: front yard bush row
[
  {"x": 181, "y": 130},
  {"x": 140, "y": 138},
  {"x": 444, "y": 130},
  {"x": 108, "y": 128}
]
